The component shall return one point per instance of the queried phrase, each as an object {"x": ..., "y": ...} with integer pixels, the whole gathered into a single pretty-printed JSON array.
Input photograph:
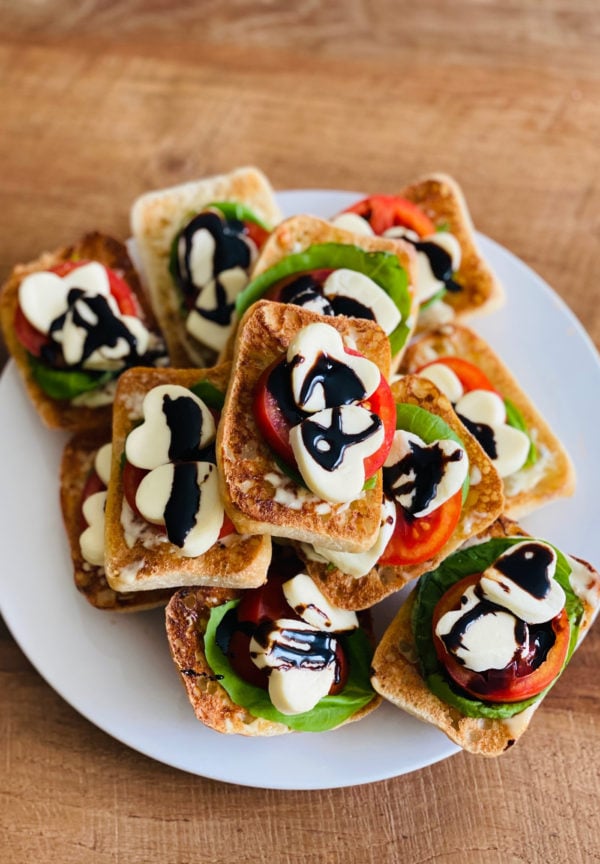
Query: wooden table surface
[{"x": 102, "y": 101}]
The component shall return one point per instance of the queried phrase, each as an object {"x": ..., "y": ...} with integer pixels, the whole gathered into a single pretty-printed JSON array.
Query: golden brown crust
[
  {"x": 233, "y": 562},
  {"x": 156, "y": 217},
  {"x": 483, "y": 505},
  {"x": 186, "y": 619},
  {"x": 61, "y": 414},
  {"x": 396, "y": 676},
  {"x": 77, "y": 463},
  {"x": 297, "y": 233},
  {"x": 253, "y": 485},
  {"x": 553, "y": 476},
  {"x": 443, "y": 201}
]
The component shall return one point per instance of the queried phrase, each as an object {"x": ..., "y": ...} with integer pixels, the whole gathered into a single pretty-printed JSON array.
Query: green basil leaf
[
  {"x": 236, "y": 210},
  {"x": 429, "y": 427},
  {"x": 330, "y": 712},
  {"x": 382, "y": 267},
  {"x": 210, "y": 395},
  {"x": 66, "y": 383},
  {"x": 515, "y": 419},
  {"x": 431, "y": 588}
]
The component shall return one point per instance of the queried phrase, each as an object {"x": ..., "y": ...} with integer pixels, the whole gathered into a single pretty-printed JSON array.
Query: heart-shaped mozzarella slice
[
  {"x": 185, "y": 499},
  {"x": 522, "y": 580},
  {"x": 507, "y": 447},
  {"x": 421, "y": 477},
  {"x": 354, "y": 223},
  {"x": 323, "y": 374},
  {"x": 482, "y": 406},
  {"x": 43, "y": 295},
  {"x": 362, "y": 298},
  {"x": 210, "y": 321},
  {"x": 512, "y": 448},
  {"x": 102, "y": 462},
  {"x": 445, "y": 379},
  {"x": 91, "y": 541},
  {"x": 308, "y": 602},
  {"x": 330, "y": 448},
  {"x": 177, "y": 424}
]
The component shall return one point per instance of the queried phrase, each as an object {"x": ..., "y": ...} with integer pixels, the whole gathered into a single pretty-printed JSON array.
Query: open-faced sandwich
[
  {"x": 532, "y": 462},
  {"x": 453, "y": 279},
  {"x": 313, "y": 264},
  {"x": 485, "y": 635},
  {"x": 276, "y": 659},
  {"x": 84, "y": 478},
  {"x": 198, "y": 243},
  {"x": 307, "y": 424},
  {"x": 73, "y": 320},
  {"x": 165, "y": 522},
  {"x": 439, "y": 489}
]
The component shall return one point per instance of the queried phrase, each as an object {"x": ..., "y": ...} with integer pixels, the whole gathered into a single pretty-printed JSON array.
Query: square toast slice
[{"x": 138, "y": 554}]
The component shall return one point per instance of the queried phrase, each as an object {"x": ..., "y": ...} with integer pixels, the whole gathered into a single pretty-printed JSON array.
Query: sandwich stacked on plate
[{"x": 320, "y": 430}]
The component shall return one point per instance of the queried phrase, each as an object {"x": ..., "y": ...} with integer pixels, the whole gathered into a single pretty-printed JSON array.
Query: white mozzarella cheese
[
  {"x": 201, "y": 257},
  {"x": 455, "y": 466},
  {"x": 102, "y": 462},
  {"x": 500, "y": 588},
  {"x": 154, "y": 493},
  {"x": 445, "y": 379},
  {"x": 360, "y": 288},
  {"x": 427, "y": 283},
  {"x": 312, "y": 343},
  {"x": 295, "y": 691},
  {"x": 307, "y": 600},
  {"x": 91, "y": 540},
  {"x": 512, "y": 445},
  {"x": 482, "y": 406},
  {"x": 354, "y": 223},
  {"x": 212, "y": 333},
  {"x": 43, "y": 295},
  {"x": 344, "y": 482},
  {"x": 488, "y": 641},
  {"x": 147, "y": 446},
  {"x": 293, "y": 688},
  {"x": 358, "y": 564}
]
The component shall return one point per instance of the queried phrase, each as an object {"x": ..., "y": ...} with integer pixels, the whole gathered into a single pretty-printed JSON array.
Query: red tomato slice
[
  {"x": 257, "y": 234},
  {"x": 470, "y": 376},
  {"x": 31, "y": 339},
  {"x": 518, "y": 681},
  {"x": 386, "y": 211},
  {"x": 417, "y": 540},
  {"x": 92, "y": 485},
  {"x": 275, "y": 426}
]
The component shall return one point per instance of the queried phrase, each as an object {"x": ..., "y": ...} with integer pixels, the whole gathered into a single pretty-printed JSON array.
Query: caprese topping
[
  {"x": 211, "y": 258},
  {"x": 81, "y": 324},
  {"x": 438, "y": 251},
  {"x": 494, "y": 421},
  {"x": 340, "y": 279},
  {"x": 425, "y": 477},
  {"x": 169, "y": 475},
  {"x": 503, "y": 635},
  {"x": 327, "y": 412},
  {"x": 91, "y": 539},
  {"x": 285, "y": 638}
]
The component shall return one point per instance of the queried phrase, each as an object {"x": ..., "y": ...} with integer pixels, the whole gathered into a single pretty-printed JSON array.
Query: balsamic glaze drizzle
[
  {"x": 184, "y": 419},
  {"x": 529, "y": 567},
  {"x": 183, "y": 504},
  {"x": 483, "y": 433},
  {"x": 426, "y": 464},
  {"x": 328, "y": 444}
]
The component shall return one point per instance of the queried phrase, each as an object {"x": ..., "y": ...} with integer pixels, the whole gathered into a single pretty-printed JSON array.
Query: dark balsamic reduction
[
  {"x": 231, "y": 250},
  {"x": 308, "y": 289},
  {"x": 529, "y": 567},
  {"x": 328, "y": 444},
  {"x": 483, "y": 433},
  {"x": 183, "y": 504},
  {"x": 428, "y": 464},
  {"x": 102, "y": 327},
  {"x": 279, "y": 385},
  {"x": 315, "y": 649},
  {"x": 439, "y": 261},
  {"x": 184, "y": 419},
  {"x": 341, "y": 385}
]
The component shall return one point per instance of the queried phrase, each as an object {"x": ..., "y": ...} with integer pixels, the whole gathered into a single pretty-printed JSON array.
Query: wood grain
[{"x": 102, "y": 101}]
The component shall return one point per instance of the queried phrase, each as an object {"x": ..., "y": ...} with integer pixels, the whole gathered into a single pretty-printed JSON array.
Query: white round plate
[{"x": 116, "y": 669}]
